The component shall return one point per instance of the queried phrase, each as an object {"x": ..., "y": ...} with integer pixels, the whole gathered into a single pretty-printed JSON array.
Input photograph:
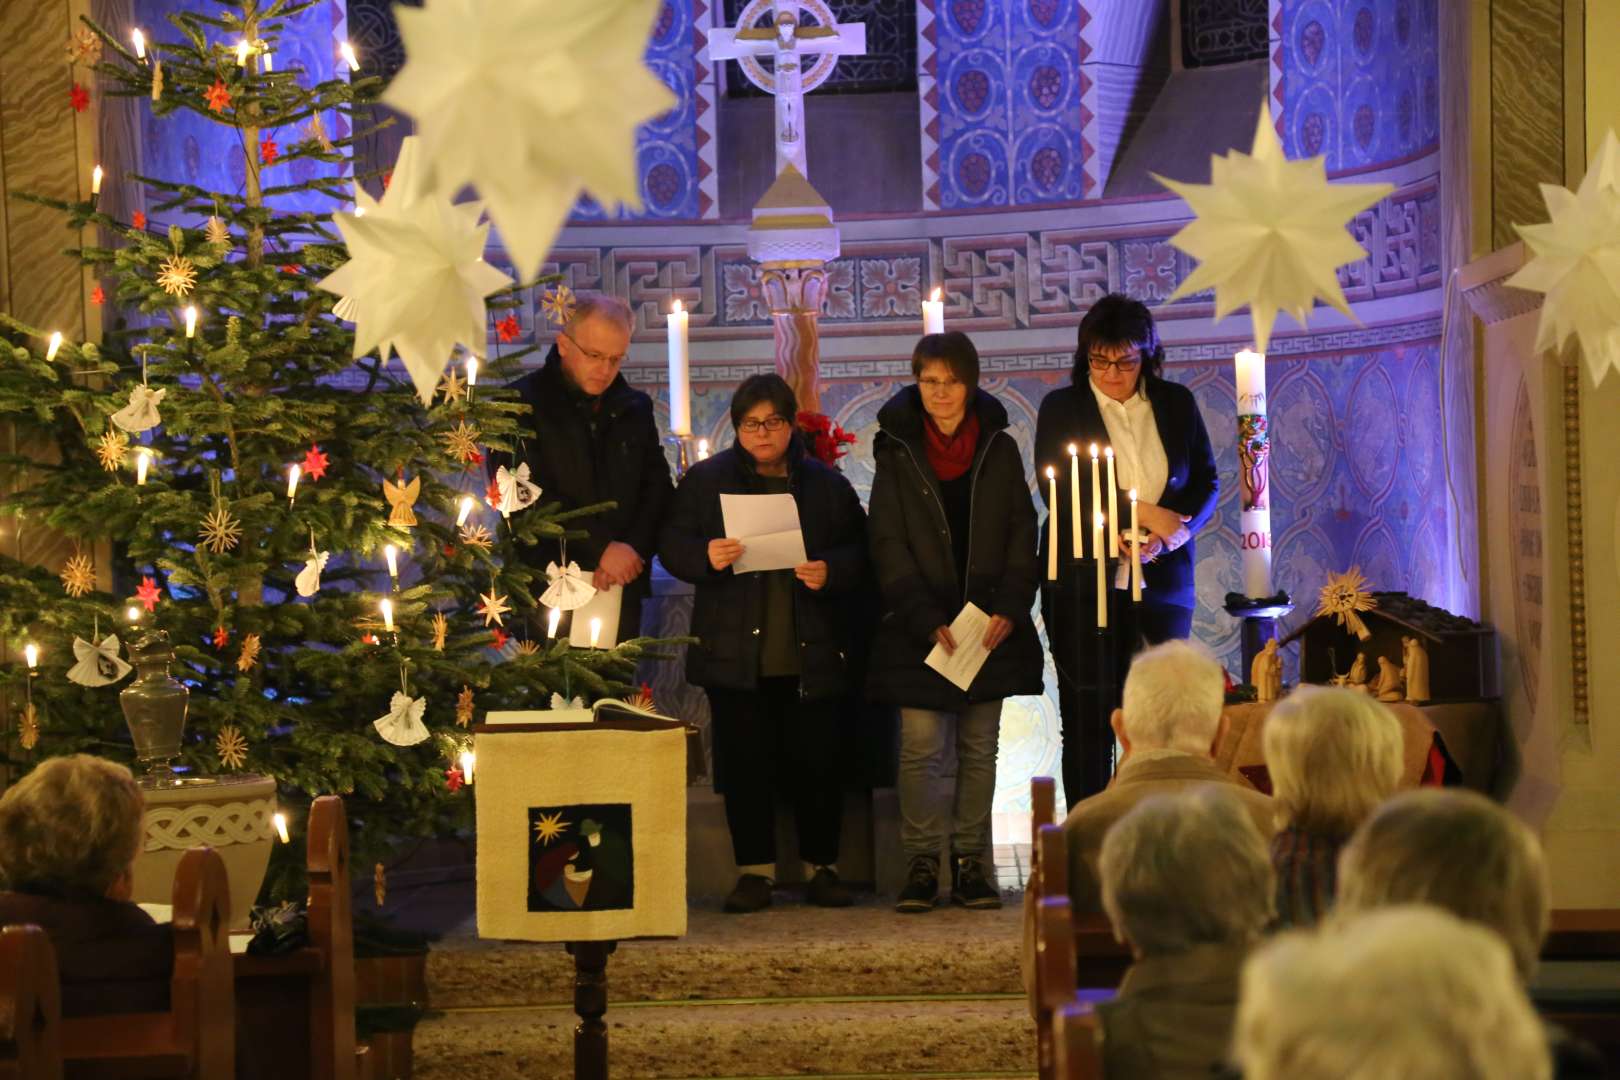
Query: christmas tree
[{"x": 247, "y": 475}]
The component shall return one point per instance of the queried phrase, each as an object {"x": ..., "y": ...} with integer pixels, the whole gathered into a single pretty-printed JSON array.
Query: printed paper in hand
[
  {"x": 605, "y": 606},
  {"x": 962, "y": 666},
  {"x": 768, "y": 526}
]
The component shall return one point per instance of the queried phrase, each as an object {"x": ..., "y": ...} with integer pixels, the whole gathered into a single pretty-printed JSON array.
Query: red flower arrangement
[{"x": 826, "y": 439}]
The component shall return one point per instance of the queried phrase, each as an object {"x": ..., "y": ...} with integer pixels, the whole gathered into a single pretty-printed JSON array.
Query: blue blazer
[{"x": 1069, "y": 414}]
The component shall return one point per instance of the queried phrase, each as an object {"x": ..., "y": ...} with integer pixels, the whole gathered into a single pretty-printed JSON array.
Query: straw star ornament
[
  {"x": 1345, "y": 597},
  {"x": 1270, "y": 233},
  {"x": 492, "y": 605},
  {"x": 220, "y": 531},
  {"x": 230, "y": 748},
  {"x": 78, "y": 575},
  {"x": 177, "y": 276}
]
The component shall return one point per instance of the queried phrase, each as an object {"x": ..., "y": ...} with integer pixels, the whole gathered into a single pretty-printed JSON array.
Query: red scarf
[{"x": 951, "y": 455}]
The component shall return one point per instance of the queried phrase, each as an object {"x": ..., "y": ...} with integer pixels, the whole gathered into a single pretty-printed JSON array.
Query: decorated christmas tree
[{"x": 254, "y": 483}]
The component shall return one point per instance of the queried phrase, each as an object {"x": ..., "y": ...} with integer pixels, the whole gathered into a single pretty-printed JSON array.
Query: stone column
[{"x": 795, "y": 294}]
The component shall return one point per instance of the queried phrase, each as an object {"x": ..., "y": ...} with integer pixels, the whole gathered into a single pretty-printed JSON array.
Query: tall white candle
[
  {"x": 1254, "y": 473},
  {"x": 933, "y": 310},
  {"x": 1136, "y": 553},
  {"x": 293, "y": 473},
  {"x": 1051, "y": 523},
  {"x": 1074, "y": 498},
  {"x": 1102, "y": 575},
  {"x": 1096, "y": 507},
  {"x": 680, "y": 377},
  {"x": 1113, "y": 506},
  {"x": 551, "y": 622}
]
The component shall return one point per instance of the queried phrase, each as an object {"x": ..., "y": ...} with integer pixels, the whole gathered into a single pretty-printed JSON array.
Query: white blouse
[{"x": 1139, "y": 458}]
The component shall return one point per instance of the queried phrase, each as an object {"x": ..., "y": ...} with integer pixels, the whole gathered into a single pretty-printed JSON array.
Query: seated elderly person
[
  {"x": 1408, "y": 991},
  {"x": 1187, "y": 884},
  {"x": 1333, "y": 755},
  {"x": 69, "y": 833},
  {"x": 1457, "y": 850}
]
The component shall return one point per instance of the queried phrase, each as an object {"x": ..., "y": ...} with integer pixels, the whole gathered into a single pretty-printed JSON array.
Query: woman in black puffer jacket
[{"x": 952, "y": 522}]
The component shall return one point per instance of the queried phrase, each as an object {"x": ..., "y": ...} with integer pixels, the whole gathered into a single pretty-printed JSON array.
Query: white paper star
[
  {"x": 1577, "y": 263},
  {"x": 530, "y": 100},
  {"x": 416, "y": 277},
  {"x": 1270, "y": 232}
]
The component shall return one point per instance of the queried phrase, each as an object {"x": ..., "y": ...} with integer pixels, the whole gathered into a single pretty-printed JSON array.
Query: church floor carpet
[{"x": 791, "y": 991}]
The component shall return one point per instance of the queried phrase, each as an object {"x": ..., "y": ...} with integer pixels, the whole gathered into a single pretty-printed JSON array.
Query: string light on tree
[
  {"x": 54, "y": 346},
  {"x": 346, "y": 51},
  {"x": 143, "y": 462},
  {"x": 293, "y": 473},
  {"x": 140, "y": 43},
  {"x": 191, "y": 321},
  {"x": 464, "y": 510}
]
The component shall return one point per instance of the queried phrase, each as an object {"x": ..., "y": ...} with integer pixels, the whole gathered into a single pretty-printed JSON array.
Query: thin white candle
[
  {"x": 1096, "y": 507},
  {"x": 346, "y": 51},
  {"x": 680, "y": 375},
  {"x": 387, "y": 610},
  {"x": 143, "y": 461},
  {"x": 464, "y": 511},
  {"x": 1102, "y": 575},
  {"x": 191, "y": 321},
  {"x": 933, "y": 312},
  {"x": 467, "y": 763},
  {"x": 95, "y": 180},
  {"x": 140, "y": 43},
  {"x": 1051, "y": 523},
  {"x": 596, "y": 632},
  {"x": 391, "y": 553},
  {"x": 53, "y": 346},
  {"x": 1254, "y": 473},
  {"x": 293, "y": 473},
  {"x": 551, "y": 622},
  {"x": 1074, "y": 499},
  {"x": 1113, "y": 506},
  {"x": 280, "y": 821},
  {"x": 1136, "y": 553},
  {"x": 31, "y": 654}
]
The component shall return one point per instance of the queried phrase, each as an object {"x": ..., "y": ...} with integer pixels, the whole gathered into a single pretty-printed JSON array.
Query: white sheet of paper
[
  {"x": 962, "y": 666},
  {"x": 768, "y": 526},
  {"x": 605, "y": 606}
]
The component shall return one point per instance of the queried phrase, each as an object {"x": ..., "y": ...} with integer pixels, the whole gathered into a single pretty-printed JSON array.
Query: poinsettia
[
  {"x": 508, "y": 329},
  {"x": 827, "y": 440},
  {"x": 79, "y": 97},
  {"x": 268, "y": 150},
  {"x": 138, "y": 219}
]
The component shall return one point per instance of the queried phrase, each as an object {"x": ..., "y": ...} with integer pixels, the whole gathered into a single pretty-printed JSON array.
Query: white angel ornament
[
  {"x": 403, "y": 725},
  {"x": 99, "y": 664},
  {"x": 308, "y": 581},
  {"x": 570, "y": 587},
  {"x": 517, "y": 492},
  {"x": 141, "y": 414}
]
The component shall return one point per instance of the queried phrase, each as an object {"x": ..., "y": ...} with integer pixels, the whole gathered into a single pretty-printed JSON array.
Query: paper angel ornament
[
  {"x": 1270, "y": 232},
  {"x": 401, "y": 497},
  {"x": 560, "y": 702},
  {"x": 308, "y": 581},
  {"x": 141, "y": 414},
  {"x": 570, "y": 587},
  {"x": 99, "y": 665},
  {"x": 530, "y": 101},
  {"x": 403, "y": 725},
  {"x": 516, "y": 491},
  {"x": 416, "y": 277}
]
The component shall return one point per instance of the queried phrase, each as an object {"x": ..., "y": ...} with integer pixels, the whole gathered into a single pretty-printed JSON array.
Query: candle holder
[
  {"x": 155, "y": 708},
  {"x": 684, "y": 455},
  {"x": 1259, "y": 617}
]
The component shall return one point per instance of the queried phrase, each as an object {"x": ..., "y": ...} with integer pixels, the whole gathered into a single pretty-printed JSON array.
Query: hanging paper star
[
  {"x": 315, "y": 463},
  {"x": 111, "y": 449},
  {"x": 316, "y": 133},
  {"x": 78, "y": 575},
  {"x": 1576, "y": 263},
  {"x": 138, "y": 219},
  {"x": 218, "y": 97},
  {"x": 79, "y": 98},
  {"x": 28, "y": 727},
  {"x": 527, "y": 648},
  {"x": 492, "y": 605},
  {"x": 464, "y": 706},
  {"x": 217, "y": 232},
  {"x": 416, "y": 273},
  {"x": 477, "y": 536},
  {"x": 441, "y": 627},
  {"x": 230, "y": 748},
  {"x": 220, "y": 530},
  {"x": 498, "y": 639},
  {"x": 453, "y": 778},
  {"x": 157, "y": 79},
  {"x": 508, "y": 329},
  {"x": 452, "y": 387},
  {"x": 504, "y": 99},
  {"x": 250, "y": 653},
  {"x": 84, "y": 47},
  {"x": 177, "y": 276},
  {"x": 1270, "y": 232},
  {"x": 268, "y": 151},
  {"x": 148, "y": 593},
  {"x": 98, "y": 296},
  {"x": 558, "y": 305},
  {"x": 461, "y": 442},
  {"x": 642, "y": 699},
  {"x": 222, "y": 637},
  {"x": 492, "y": 494}
]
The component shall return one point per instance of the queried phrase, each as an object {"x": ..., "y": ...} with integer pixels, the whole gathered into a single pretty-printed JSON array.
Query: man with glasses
[{"x": 591, "y": 439}]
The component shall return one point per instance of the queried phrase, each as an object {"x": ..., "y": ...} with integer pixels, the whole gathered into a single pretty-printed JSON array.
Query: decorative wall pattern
[
  {"x": 1223, "y": 31},
  {"x": 888, "y": 66},
  {"x": 1356, "y": 80}
]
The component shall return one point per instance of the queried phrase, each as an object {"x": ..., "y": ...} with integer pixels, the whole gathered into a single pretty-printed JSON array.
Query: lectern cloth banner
[{"x": 581, "y": 830}]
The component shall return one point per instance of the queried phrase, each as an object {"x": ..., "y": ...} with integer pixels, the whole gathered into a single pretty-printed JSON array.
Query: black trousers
[
  {"x": 768, "y": 741},
  {"x": 1091, "y": 668}
]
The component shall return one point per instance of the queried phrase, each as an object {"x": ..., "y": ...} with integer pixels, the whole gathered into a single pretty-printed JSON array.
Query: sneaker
[
  {"x": 825, "y": 890},
  {"x": 921, "y": 892},
  {"x": 751, "y": 893},
  {"x": 970, "y": 888}
]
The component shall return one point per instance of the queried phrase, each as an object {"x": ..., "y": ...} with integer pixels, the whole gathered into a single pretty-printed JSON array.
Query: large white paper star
[
  {"x": 1577, "y": 263},
  {"x": 530, "y": 100},
  {"x": 1270, "y": 232},
  {"x": 416, "y": 276}
]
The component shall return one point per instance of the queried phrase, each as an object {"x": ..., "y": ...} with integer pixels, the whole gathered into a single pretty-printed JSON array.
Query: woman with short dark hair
[
  {"x": 773, "y": 646},
  {"x": 952, "y": 524},
  {"x": 1119, "y": 398}
]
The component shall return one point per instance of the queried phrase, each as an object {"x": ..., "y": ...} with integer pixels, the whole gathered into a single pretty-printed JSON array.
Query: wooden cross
[{"x": 787, "y": 42}]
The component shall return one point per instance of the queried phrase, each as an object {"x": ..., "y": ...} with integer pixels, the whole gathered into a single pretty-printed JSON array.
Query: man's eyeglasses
[
  {"x": 592, "y": 355},
  {"x": 773, "y": 424},
  {"x": 938, "y": 386},
  {"x": 1122, "y": 365}
]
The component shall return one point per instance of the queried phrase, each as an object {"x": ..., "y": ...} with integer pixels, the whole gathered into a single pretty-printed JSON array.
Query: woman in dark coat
[
  {"x": 773, "y": 648},
  {"x": 1119, "y": 398},
  {"x": 952, "y": 524}
]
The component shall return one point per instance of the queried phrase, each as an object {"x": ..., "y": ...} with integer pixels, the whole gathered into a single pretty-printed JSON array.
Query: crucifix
[{"x": 790, "y": 45}]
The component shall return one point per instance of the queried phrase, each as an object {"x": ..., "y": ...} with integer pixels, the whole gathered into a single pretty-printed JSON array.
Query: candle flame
[
  {"x": 1133, "y": 494},
  {"x": 1108, "y": 451},
  {"x": 280, "y": 821},
  {"x": 1093, "y": 449},
  {"x": 191, "y": 321},
  {"x": 95, "y": 180},
  {"x": 347, "y": 52},
  {"x": 31, "y": 654},
  {"x": 467, "y": 761},
  {"x": 132, "y": 613},
  {"x": 1050, "y": 472},
  {"x": 387, "y": 610},
  {"x": 55, "y": 344},
  {"x": 466, "y": 509},
  {"x": 143, "y": 461},
  {"x": 293, "y": 473},
  {"x": 140, "y": 43},
  {"x": 934, "y": 296},
  {"x": 596, "y": 631},
  {"x": 391, "y": 553},
  {"x": 1100, "y": 521},
  {"x": 551, "y": 622},
  {"x": 1074, "y": 450},
  {"x": 676, "y": 308}
]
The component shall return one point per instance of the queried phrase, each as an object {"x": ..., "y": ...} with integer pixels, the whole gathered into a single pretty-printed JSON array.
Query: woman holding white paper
[
  {"x": 953, "y": 524},
  {"x": 773, "y": 649}
]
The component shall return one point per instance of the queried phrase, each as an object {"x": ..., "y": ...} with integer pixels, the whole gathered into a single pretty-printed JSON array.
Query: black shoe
[
  {"x": 922, "y": 887},
  {"x": 825, "y": 890},
  {"x": 970, "y": 888},
  {"x": 751, "y": 893}
]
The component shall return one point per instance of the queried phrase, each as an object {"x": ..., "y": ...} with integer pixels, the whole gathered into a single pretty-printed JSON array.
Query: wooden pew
[
  {"x": 30, "y": 1006},
  {"x": 1074, "y": 1042},
  {"x": 295, "y": 1015},
  {"x": 196, "y": 1038}
]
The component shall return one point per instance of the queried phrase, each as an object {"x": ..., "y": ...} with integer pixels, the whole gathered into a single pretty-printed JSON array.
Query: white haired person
[
  {"x": 1407, "y": 991},
  {"x": 1333, "y": 755},
  {"x": 1187, "y": 884},
  {"x": 1459, "y": 851},
  {"x": 69, "y": 834}
]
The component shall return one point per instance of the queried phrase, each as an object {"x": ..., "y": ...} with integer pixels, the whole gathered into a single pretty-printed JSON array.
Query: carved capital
[{"x": 794, "y": 290}]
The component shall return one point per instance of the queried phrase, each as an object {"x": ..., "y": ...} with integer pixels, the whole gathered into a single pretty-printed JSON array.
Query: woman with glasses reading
[
  {"x": 952, "y": 524},
  {"x": 773, "y": 650},
  {"x": 1119, "y": 398}
]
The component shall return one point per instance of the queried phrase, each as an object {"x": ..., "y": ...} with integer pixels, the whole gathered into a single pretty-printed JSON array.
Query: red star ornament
[
  {"x": 368, "y": 639},
  {"x": 268, "y": 151},
  {"x": 500, "y": 638},
  {"x": 79, "y": 97},
  {"x": 138, "y": 219},
  {"x": 453, "y": 779},
  {"x": 98, "y": 296},
  {"x": 315, "y": 463},
  {"x": 218, "y": 97},
  {"x": 222, "y": 637},
  {"x": 492, "y": 494},
  {"x": 508, "y": 329},
  {"x": 148, "y": 592}
]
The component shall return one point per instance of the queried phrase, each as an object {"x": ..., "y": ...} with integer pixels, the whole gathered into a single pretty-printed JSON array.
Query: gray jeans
[{"x": 927, "y": 808}]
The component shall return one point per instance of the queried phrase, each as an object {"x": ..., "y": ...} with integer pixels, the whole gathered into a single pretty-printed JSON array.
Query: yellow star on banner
[{"x": 549, "y": 827}]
